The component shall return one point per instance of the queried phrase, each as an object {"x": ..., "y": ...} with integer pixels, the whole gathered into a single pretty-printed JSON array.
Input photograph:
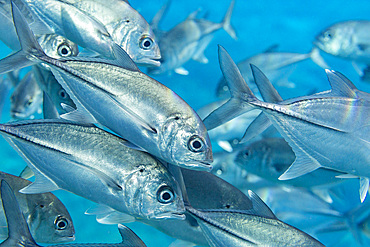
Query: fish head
[
  {"x": 140, "y": 44},
  {"x": 50, "y": 221},
  {"x": 152, "y": 193},
  {"x": 186, "y": 143},
  {"x": 26, "y": 99},
  {"x": 334, "y": 40},
  {"x": 250, "y": 157},
  {"x": 57, "y": 46}
]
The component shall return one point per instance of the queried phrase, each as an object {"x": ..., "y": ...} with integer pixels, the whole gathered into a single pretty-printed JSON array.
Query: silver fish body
[
  {"x": 20, "y": 235},
  {"x": 47, "y": 82},
  {"x": 70, "y": 22},
  {"x": 46, "y": 216},
  {"x": 188, "y": 40},
  {"x": 135, "y": 106},
  {"x": 228, "y": 227},
  {"x": 204, "y": 191},
  {"x": 126, "y": 26},
  {"x": 96, "y": 165},
  {"x": 26, "y": 98},
  {"x": 54, "y": 45},
  {"x": 270, "y": 158},
  {"x": 348, "y": 39},
  {"x": 328, "y": 129}
]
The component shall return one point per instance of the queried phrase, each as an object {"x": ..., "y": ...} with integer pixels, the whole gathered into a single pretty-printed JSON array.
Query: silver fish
[
  {"x": 66, "y": 20},
  {"x": 347, "y": 39},
  {"x": 256, "y": 227},
  {"x": 46, "y": 216},
  {"x": 204, "y": 190},
  {"x": 269, "y": 158},
  {"x": 126, "y": 26},
  {"x": 47, "y": 82},
  {"x": 26, "y": 98},
  {"x": 20, "y": 235},
  {"x": 188, "y": 40},
  {"x": 135, "y": 106},
  {"x": 328, "y": 129},
  {"x": 104, "y": 169},
  {"x": 54, "y": 45},
  {"x": 272, "y": 62}
]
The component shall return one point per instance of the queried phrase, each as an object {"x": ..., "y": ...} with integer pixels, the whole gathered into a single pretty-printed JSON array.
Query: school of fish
[{"x": 89, "y": 115}]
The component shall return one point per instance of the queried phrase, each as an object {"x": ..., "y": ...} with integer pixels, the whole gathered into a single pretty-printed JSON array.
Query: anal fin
[{"x": 301, "y": 166}]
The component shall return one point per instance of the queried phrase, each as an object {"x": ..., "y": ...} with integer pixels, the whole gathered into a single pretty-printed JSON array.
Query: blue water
[{"x": 259, "y": 24}]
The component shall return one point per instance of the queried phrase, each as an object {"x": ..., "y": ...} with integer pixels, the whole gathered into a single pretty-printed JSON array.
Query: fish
[
  {"x": 204, "y": 190},
  {"x": 328, "y": 129},
  {"x": 188, "y": 40},
  {"x": 26, "y": 98},
  {"x": 270, "y": 157},
  {"x": 54, "y": 45},
  {"x": 126, "y": 26},
  {"x": 54, "y": 16},
  {"x": 46, "y": 216},
  {"x": 20, "y": 235},
  {"x": 116, "y": 94},
  {"x": 346, "y": 39},
  {"x": 256, "y": 227},
  {"x": 273, "y": 63},
  {"x": 49, "y": 84},
  {"x": 96, "y": 165}
]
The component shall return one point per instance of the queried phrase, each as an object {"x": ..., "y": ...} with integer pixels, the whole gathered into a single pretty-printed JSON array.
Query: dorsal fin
[
  {"x": 340, "y": 84},
  {"x": 267, "y": 90}
]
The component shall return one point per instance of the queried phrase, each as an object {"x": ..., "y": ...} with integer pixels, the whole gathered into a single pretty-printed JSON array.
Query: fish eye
[
  {"x": 327, "y": 35},
  {"x": 246, "y": 154},
  {"x": 165, "y": 195},
  {"x": 29, "y": 102},
  {"x": 60, "y": 223},
  {"x": 64, "y": 50},
  {"x": 196, "y": 144},
  {"x": 146, "y": 43},
  {"x": 62, "y": 94}
]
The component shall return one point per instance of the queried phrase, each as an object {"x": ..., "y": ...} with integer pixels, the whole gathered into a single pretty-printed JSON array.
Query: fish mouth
[
  {"x": 170, "y": 215},
  {"x": 17, "y": 114},
  {"x": 198, "y": 166},
  {"x": 68, "y": 239},
  {"x": 149, "y": 62}
]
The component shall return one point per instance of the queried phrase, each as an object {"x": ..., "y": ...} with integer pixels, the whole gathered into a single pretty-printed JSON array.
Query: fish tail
[
  {"x": 241, "y": 95},
  {"x": 30, "y": 51},
  {"x": 17, "y": 225},
  {"x": 226, "y": 21}
]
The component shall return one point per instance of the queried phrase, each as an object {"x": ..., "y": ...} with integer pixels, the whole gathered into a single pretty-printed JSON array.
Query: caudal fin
[
  {"x": 30, "y": 49},
  {"x": 226, "y": 21},
  {"x": 17, "y": 225},
  {"x": 239, "y": 90}
]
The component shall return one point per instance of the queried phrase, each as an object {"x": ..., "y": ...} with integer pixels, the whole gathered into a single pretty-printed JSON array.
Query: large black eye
[
  {"x": 64, "y": 50},
  {"x": 327, "y": 35},
  {"x": 165, "y": 195},
  {"x": 60, "y": 223},
  {"x": 196, "y": 144},
  {"x": 146, "y": 43},
  {"x": 29, "y": 102},
  {"x": 62, "y": 94}
]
